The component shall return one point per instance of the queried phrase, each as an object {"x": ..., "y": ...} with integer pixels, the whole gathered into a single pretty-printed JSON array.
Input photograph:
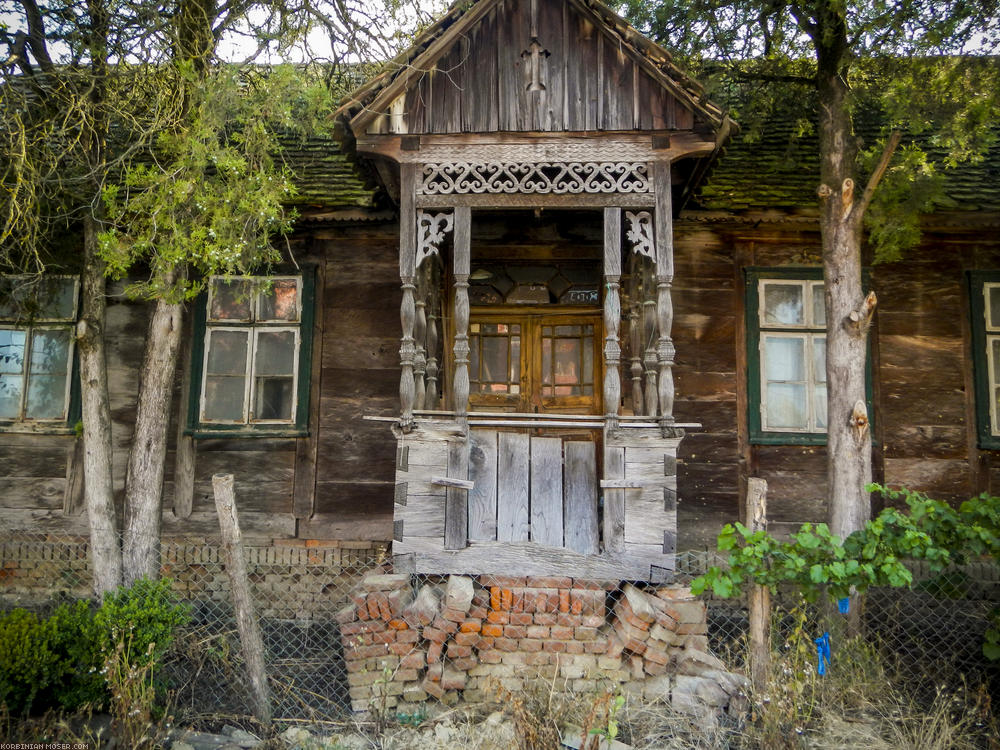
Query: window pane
[
  {"x": 11, "y": 387},
  {"x": 567, "y": 361},
  {"x": 494, "y": 359},
  {"x": 784, "y": 358},
  {"x": 274, "y": 398},
  {"x": 230, "y": 300},
  {"x": 547, "y": 359},
  {"x": 819, "y": 359},
  {"x": 275, "y": 353},
  {"x": 993, "y": 306},
  {"x": 474, "y": 359},
  {"x": 11, "y": 351},
  {"x": 819, "y": 305},
  {"x": 783, "y": 304},
  {"x": 11, "y": 369},
  {"x": 281, "y": 301},
  {"x": 224, "y": 398},
  {"x": 819, "y": 406},
  {"x": 994, "y": 353},
  {"x": 46, "y": 397},
  {"x": 50, "y": 351},
  {"x": 786, "y": 406},
  {"x": 32, "y": 298},
  {"x": 227, "y": 352},
  {"x": 588, "y": 360},
  {"x": 515, "y": 358}
]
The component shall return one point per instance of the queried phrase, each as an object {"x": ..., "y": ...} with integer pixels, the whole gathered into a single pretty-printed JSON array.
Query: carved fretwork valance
[{"x": 534, "y": 178}]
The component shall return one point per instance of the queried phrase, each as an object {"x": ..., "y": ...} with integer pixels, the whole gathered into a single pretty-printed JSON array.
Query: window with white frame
[
  {"x": 984, "y": 299},
  {"x": 37, "y": 319},
  {"x": 251, "y": 356}
]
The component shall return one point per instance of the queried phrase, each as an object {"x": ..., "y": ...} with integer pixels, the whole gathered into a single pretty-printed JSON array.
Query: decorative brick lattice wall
[{"x": 407, "y": 643}]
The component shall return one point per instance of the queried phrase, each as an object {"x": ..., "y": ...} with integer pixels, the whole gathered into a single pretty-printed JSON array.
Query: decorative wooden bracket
[
  {"x": 640, "y": 232},
  {"x": 431, "y": 230}
]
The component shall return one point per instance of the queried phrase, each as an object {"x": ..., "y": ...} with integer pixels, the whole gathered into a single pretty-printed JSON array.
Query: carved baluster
[
  {"x": 635, "y": 333},
  {"x": 612, "y": 314},
  {"x": 651, "y": 397},
  {"x": 420, "y": 339},
  {"x": 664, "y": 279},
  {"x": 407, "y": 352},
  {"x": 461, "y": 274},
  {"x": 434, "y": 315},
  {"x": 407, "y": 309}
]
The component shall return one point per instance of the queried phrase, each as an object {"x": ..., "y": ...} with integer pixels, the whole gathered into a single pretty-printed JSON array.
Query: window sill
[
  {"x": 37, "y": 428},
  {"x": 788, "y": 438},
  {"x": 246, "y": 432}
]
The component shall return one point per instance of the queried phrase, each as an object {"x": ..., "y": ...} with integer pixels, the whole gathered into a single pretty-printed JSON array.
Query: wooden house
[{"x": 548, "y": 311}]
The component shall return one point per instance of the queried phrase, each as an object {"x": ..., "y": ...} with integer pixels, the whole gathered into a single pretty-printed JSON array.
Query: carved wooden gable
[{"x": 535, "y": 65}]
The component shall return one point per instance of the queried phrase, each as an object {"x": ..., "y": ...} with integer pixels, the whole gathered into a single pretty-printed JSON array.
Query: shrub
[
  {"x": 78, "y": 642},
  {"x": 143, "y": 617},
  {"x": 27, "y": 664}
]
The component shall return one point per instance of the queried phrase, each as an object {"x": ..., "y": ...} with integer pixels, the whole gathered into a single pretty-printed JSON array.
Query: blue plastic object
[
  {"x": 822, "y": 654},
  {"x": 844, "y": 605}
]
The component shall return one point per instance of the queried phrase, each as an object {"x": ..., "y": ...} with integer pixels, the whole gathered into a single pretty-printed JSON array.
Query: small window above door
[{"x": 565, "y": 283}]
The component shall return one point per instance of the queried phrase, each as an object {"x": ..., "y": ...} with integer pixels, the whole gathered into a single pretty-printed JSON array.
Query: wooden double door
[{"x": 537, "y": 361}]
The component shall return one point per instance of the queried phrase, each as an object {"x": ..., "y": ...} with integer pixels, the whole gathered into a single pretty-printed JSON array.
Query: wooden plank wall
[
  {"x": 921, "y": 378},
  {"x": 481, "y": 84}
]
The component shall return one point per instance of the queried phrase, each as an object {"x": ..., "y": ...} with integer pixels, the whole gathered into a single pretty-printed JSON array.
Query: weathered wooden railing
[{"x": 500, "y": 492}]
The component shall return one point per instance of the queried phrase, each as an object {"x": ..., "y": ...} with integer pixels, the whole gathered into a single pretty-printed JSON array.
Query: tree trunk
[
  {"x": 848, "y": 436},
  {"x": 144, "y": 477},
  {"x": 105, "y": 551}
]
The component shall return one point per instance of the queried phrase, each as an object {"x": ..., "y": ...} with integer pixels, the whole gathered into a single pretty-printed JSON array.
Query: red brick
[
  {"x": 435, "y": 635},
  {"x": 506, "y": 644},
  {"x": 398, "y": 625},
  {"x": 549, "y": 582},
  {"x": 530, "y": 645},
  {"x": 454, "y": 615},
  {"x": 492, "y": 630},
  {"x": 455, "y": 651},
  {"x": 362, "y": 611},
  {"x": 545, "y": 618},
  {"x": 453, "y": 679},
  {"x": 432, "y": 688},
  {"x": 471, "y": 626},
  {"x": 506, "y": 599},
  {"x": 515, "y": 631},
  {"x": 587, "y": 602},
  {"x": 592, "y": 621},
  {"x": 675, "y": 593},
  {"x": 466, "y": 639},
  {"x": 658, "y": 655},
  {"x": 400, "y": 649},
  {"x": 478, "y": 612},
  {"x": 434, "y": 652},
  {"x": 373, "y": 610},
  {"x": 504, "y": 581},
  {"x": 501, "y": 618},
  {"x": 576, "y": 607},
  {"x": 384, "y": 608},
  {"x": 366, "y": 652},
  {"x": 538, "y": 659},
  {"x": 598, "y": 646},
  {"x": 537, "y": 631},
  {"x": 560, "y": 632},
  {"x": 413, "y": 660},
  {"x": 447, "y": 626},
  {"x": 407, "y": 636},
  {"x": 652, "y": 668},
  {"x": 615, "y": 646},
  {"x": 575, "y": 647},
  {"x": 465, "y": 663},
  {"x": 585, "y": 634},
  {"x": 353, "y": 628},
  {"x": 484, "y": 644},
  {"x": 490, "y": 656},
  {"x": 555, "y": 647},
  {"x": 521, "y": 618},
  {"x": 494, "y": 597},
  {"x": 570, "y": 621},
  {"x": 517, "y": 600}
]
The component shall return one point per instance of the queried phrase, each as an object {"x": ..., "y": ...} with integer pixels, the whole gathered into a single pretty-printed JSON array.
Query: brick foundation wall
[
  {"x": 291, "y": 579},
  {"x": 405, "y": 645}
]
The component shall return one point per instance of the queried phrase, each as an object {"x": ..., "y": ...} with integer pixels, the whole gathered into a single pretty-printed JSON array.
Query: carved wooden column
[
  {"x": 463, "y": 221},
  {"x": 432, "y": 229},
  {"x": 664, "y": 280},
  {"x": 642, "y": 320},
  {"x": 407, "y": 309},
  {"x": 612, "y": 314}
]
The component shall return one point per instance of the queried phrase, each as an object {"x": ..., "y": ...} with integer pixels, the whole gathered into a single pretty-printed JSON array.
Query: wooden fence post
[
  {"x": 246, "y": 620},
  {"x": 759, "y": 597}
]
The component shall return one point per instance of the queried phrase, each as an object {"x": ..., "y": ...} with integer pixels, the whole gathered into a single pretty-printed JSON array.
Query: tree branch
[
  {"x": 876, "y": 177},
  {"x": 36, "y": 35}
]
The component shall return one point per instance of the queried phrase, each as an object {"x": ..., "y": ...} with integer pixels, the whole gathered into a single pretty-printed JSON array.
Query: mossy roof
[{"x": 326, "y": 174}]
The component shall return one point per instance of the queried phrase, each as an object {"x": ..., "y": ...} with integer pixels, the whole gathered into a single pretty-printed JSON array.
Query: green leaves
[{"x": 819, "y": 564}]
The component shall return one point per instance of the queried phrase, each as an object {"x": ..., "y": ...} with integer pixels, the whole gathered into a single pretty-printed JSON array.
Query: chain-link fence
[{"x": 343, "y": 634}]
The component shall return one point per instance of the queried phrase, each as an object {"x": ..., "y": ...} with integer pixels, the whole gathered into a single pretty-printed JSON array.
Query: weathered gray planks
[
  {"x": 546, "y": 491},
  {"x": 512, "y": 487},
  {"x": 580, "y": 497},
  {"x": 456, "y": 511},
  {"x": 614, "y": 501},
  {"x": 483, "y": 497}
]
